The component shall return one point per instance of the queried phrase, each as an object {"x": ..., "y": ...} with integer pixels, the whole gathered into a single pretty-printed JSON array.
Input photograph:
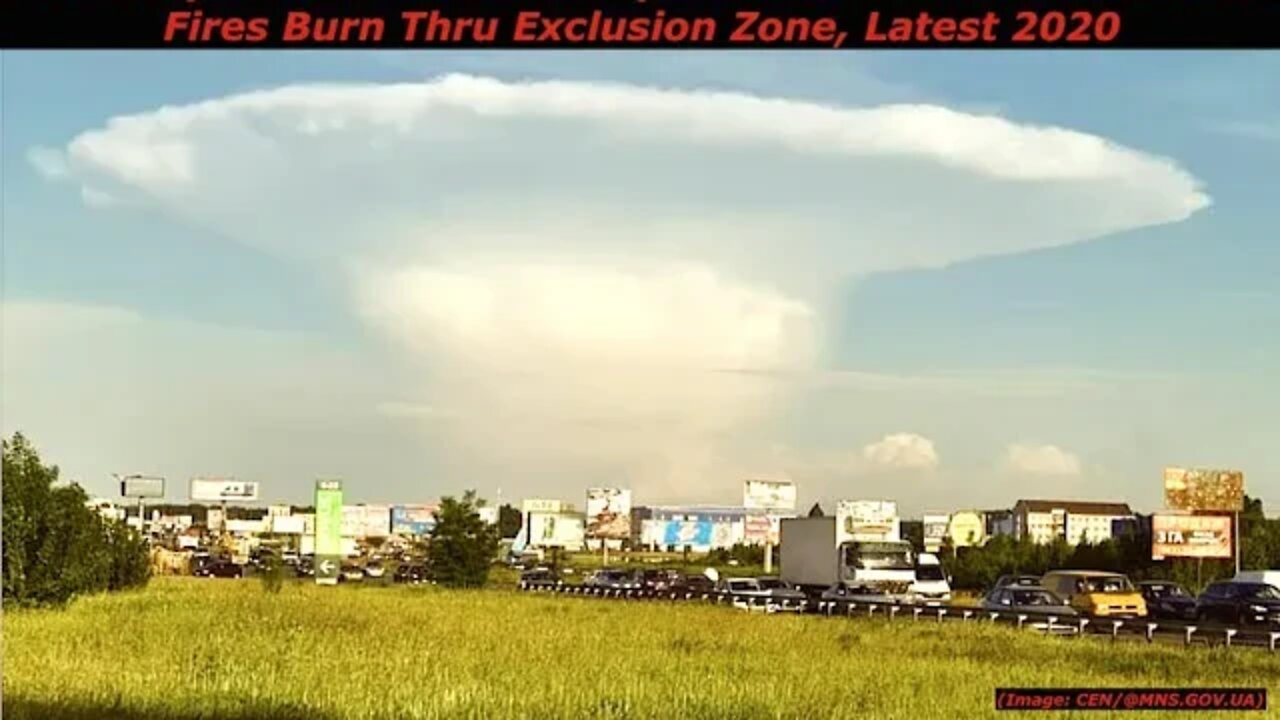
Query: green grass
[{"x": 196, "y": 648}]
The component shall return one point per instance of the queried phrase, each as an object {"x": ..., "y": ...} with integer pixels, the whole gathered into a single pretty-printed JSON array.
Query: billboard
[
  {"x": 362, "y": 521},
  {"x": 769, "y": 495},
  {"x": 608, "y": 513},
  {"x": 214, "y": 519},
  {"x": 142, "y": 487},
  {"x": 223, "y": 490},
  {"x": 328, "y": 523},
  {"x": 1199, "y": 489},
  {"x": 413, "y": 520},
  {"x": 935, "y": 530},
  {"x": 679, "y": 534},
  {"x": 761, "y": 529},
  {"x": 868, "y": 520},
  {"x": 1190, "y": 536},
  {"x": 562, "y": 530},
  {"x": 967, "y": 528},
  {"x": 541, "y": 506}
]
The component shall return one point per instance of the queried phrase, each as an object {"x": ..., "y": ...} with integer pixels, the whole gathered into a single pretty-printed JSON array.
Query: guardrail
[{"x": 1048, "y": 622}]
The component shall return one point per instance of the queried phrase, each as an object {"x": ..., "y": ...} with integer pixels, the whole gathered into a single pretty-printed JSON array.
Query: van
[
  {"x": 931, "y": 586},
  {"x": 1266, "y": 577},
  {"x": 1097, "y": 593}
]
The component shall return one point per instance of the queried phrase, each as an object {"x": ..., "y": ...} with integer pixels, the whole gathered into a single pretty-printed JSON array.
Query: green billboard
[{"x": 328, "y": 531}]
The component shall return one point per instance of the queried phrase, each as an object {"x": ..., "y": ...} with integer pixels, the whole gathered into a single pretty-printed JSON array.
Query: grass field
[{"x": 198, "y": 648}]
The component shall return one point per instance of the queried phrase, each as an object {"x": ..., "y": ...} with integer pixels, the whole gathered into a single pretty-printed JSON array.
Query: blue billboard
[
  {"x": 680, "y": 533},
  {"x": 413, "y": 520}
]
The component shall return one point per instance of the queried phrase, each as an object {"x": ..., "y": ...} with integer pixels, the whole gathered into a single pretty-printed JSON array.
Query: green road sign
[{"x": 328, "y": 531}]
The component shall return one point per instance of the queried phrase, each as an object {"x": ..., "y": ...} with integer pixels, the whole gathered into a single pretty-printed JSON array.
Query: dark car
[
  {"x": 1239, "y": 603},
  {"x": 784, "y": 592},
  {"x": 612, "y": 579},
  {"x": 1167, "y": 600},
  {"x": 655, "y": 580},
  {"x": 540, "y": 576},
  {"x": 410, "y": 573},
  {"x": 221, "y": 569},
  {"x": 1036, "y": 602},
  {"x": 692, "y": 584},
  {"x": 1017, "y": 581}
]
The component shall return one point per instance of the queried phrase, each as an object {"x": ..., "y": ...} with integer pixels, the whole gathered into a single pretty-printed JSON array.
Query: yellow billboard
[{"x": 1200, "y": 490}]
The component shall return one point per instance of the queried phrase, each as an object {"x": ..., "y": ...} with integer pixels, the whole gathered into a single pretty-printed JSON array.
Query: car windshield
[
  {"x": 1263, "y": 592},
  {"x": 738, "y": 585},
  {"x": 770, "y": 584},
  {"x": 1106, "y": 584},
  {"x": 1034, "y": 597},
  {"x": 1166, "y": 591},
  {"x": 930, "y": 572},
  {"x": 878, "y": 556}
]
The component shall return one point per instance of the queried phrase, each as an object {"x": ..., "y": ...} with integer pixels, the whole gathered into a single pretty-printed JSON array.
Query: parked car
[
  {"x": 1035, "y": 602},
  {"x": 350, "y": 573},
  {"x": 1017, "y": 580},
  {"x": 410, "y": 573},
  {"x": 375, "y": 570},
  {"x": 221, "y": 569},
  {"x": 741, "y": 586},
  {"x": 1097, "y": 593},
  {"x": 1266, "y": 577},
  {"x": 1167, "y": 600},
  {"x": 840, "y": 592},
  {"x": 1239, "y": 603},
  {"x": 612, "y": 579}
]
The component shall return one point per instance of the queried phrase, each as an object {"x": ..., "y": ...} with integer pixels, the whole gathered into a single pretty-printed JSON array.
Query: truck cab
[
  {"x": 931, "y": 586},
  {"x": 885, "y": 565}
]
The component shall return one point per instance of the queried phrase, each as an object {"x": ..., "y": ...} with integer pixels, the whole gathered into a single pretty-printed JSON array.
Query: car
[
  {"x": 612, "y": 579},
  {"x": 1097, "y": 593},
  {"x": 1239, "y": 603},
  {"x": 410, "y": 574},
  {"x": 1167, "y": 600},
  {"x": 1036, "y": 602},
  {"x": 932, "y": 586},
  {"x": 840, "y": 592},
  {"x": 350, "y": 573},
  {"x": 375, "y": 570},
  {"x": 221, "y": 569},
  {"x": 1017, "y": 580},
  {"x": 787, "y": 595},
  {"x": 1266, "y": 577},
  {"x": 692, "y": 584},
  {"x": 655, "y": 580},
  {"x": 741, "y": 586},
  {"x": 539, "y": 576}
]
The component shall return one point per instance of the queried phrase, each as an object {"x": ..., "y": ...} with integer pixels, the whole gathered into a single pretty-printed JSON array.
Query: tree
[
  {"x": 510, "y": 520},
  {"x": 462, "y": 544}
]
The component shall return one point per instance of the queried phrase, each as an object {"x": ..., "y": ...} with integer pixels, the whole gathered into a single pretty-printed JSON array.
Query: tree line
[{"x": 54, "y": 545}]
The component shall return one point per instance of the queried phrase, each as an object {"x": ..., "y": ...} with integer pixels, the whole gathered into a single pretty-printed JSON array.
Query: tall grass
[{"x": 198, "y": 648}]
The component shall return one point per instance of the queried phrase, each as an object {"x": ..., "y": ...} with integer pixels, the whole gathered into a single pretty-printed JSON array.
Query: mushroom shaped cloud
[{"x": 570, "y": 268}]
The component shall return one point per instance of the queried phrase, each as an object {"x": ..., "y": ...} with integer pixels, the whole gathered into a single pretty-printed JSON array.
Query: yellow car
[{"x": 1097, "y": 593}]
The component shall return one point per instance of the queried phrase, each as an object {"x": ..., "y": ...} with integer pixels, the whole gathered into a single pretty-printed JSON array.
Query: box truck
[{"x": 820, "y": 552}]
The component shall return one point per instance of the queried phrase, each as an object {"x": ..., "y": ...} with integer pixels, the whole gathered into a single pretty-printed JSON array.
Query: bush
[{"x": 54, "y": 545}]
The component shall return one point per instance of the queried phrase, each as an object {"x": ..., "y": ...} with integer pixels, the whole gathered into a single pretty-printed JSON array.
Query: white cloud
[
  {"x": 1041, "y": 460},
  {"x": 568, "y": 268},
  {"x": 902, "y": 451},
  {"x": 48, "y": 162}
]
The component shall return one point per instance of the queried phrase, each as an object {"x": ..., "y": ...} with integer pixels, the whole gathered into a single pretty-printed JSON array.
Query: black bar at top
[{"x": 250, "y": 24}]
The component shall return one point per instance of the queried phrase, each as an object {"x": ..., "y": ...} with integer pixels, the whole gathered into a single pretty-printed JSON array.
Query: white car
[
  {"x": 375, "y": 570},
  {"x": 932, "y": 587}
]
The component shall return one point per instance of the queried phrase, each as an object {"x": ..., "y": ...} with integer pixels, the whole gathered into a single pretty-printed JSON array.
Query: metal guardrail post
[
  {"x": 994, "y": 616},
  {"x": 1048, "y": 626},
  {"x": 1151, "y": 631},
  {"x": 893, "y": 612},
  {"x": 941, "y": 612},
  {"x": 1274, "y": 640},
  {"x": 1021, "y": 620},
  {"x": 1084, "y": 622},
  {"x": 1187, "y": 633},
  {"x": 915, "y": 613},
  {"x": 1230, "y": 633},
  {"x": 871, "y": 609},
  {"x": 1115, "y": 628}
]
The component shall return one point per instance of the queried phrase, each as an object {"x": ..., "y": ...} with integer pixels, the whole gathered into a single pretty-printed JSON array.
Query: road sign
[{"x": 328, "y": 531}]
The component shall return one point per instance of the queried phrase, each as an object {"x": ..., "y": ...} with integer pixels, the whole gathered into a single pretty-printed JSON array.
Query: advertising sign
[
  {"x": 562, "y": 530},
  {"x": 541, "y": 506},
  {"x": 868, "y": 520},
  {"x": 608, "y": 513},
  {"x": 680, "y": 533},
  {"x": 413, "y": 520},
  {"x": 966, "y": 529},
  {"x": 769, "y": 495},
  {"x": 761, "y": 529},
  {"x": 223, "y": 490},
  {"x": 935, "y": 531},
  {"x": 1190, "y": 536},
  {"x": 1196, "y": 490},
  {"x": 142, "y": 487},
  {"x": 214, "y": 519},
  {"x": 363, "y": 521},
  {"x": 328, "y": 524}
]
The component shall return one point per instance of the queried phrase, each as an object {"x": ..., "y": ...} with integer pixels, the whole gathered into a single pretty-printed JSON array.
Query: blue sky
[{"x": 181, "y": 345}]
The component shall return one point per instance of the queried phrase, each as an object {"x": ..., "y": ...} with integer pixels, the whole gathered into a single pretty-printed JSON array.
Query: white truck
[{"x": 821, "y": 552}]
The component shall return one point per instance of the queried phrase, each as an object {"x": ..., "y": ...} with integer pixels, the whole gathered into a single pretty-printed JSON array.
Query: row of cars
[
  {"x": 407, "y": 570},
  {"x": 1242, "y": 601}
]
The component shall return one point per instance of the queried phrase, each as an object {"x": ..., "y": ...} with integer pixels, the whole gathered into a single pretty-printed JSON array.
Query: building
[
  {"x": 1043, "y": 521},
  {"x": 998, "y": 523}
]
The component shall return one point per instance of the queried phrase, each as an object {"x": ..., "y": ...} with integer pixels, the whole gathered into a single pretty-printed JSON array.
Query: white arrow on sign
[{"x": 326, "y": 567}]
